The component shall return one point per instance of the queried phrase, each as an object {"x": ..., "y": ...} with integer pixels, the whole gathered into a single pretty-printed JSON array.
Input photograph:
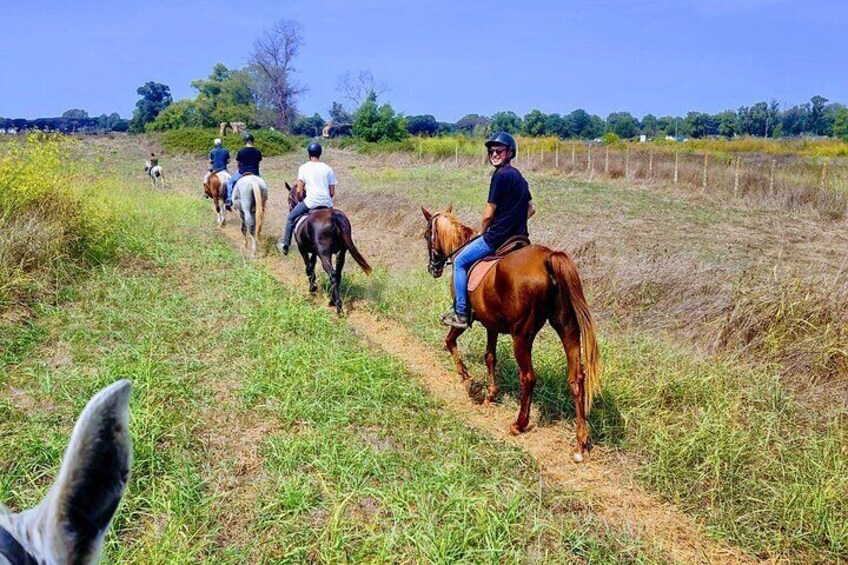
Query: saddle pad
[
  {"x": 300, "y": 221},
  {"x": 479, "y": 270}
]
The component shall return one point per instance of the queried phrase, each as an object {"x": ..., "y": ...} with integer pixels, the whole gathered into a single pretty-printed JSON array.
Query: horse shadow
[{"x": 552, "y": 397}]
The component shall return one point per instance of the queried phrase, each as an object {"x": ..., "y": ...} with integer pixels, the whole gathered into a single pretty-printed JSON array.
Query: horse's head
[
  {"x": 445, "y": 234},
  {"x": 70, "y": 523},
  {"x": 294, "y": 197}
]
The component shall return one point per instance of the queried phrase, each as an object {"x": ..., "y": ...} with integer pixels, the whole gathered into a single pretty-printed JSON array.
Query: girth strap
[{"x": 11, "y": 549}]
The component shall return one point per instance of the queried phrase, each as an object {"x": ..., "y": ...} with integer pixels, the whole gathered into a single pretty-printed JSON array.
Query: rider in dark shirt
[
  {"x": 508, "y": 208},
  {"x": 248, "y": 159}
]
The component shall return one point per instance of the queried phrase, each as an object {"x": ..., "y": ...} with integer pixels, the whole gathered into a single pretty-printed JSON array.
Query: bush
[
  {"x": 200, "y": 141},
  {"x": 51, "y": 227}
]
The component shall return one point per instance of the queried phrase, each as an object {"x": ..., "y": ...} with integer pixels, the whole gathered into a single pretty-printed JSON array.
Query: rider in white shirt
[{"x": 319, "y": 181}]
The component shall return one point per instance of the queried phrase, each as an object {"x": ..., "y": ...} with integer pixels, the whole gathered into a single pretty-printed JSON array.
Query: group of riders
[{"x": 508, "y": 206}]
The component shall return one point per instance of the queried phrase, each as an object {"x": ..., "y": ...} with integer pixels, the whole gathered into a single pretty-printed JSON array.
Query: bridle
[
  {"x": 438, "y": 260},
  {"x": 11, "y": 549}
]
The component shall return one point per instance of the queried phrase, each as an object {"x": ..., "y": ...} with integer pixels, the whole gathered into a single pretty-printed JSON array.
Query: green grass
[{"x": 347, "y": 458}]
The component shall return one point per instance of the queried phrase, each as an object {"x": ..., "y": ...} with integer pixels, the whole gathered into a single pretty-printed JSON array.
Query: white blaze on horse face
[{"x": 70, "y": 523}]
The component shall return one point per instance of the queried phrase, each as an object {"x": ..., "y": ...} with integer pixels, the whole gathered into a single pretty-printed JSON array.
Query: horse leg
[
  {"x": 340, "y": 261},
  {"x": 472, "y": 388},
  {"x": 523, "y": 345},
  {"x": 491, "y": 360},
  {"x": 309, "y": 263},
  {"x": 569, "y": 334},
  {"x": 313, "y": 285},
  {"x": 327, "y": 263}
]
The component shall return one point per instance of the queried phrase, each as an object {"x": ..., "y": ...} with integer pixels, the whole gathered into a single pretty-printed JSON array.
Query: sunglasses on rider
[{"x": 498, "y": 150}]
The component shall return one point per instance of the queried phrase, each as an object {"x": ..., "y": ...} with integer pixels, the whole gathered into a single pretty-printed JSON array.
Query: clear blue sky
[{"x": 443, "y": 57}]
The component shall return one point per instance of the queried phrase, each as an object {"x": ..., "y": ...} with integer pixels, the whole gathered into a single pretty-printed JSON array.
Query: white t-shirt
[{"x": 317, "y": 178}]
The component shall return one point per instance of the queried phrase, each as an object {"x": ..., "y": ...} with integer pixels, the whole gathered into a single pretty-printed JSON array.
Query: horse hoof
[
  {"x": 577, "y": 457},
  {"x": 313, "y": 289}
]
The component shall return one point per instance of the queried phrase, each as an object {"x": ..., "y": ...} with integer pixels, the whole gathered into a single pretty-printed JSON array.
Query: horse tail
[
  {"x": 563, "y": 271},
  {"x": 343, "y": 224},
  {"x": 260, "y": 206}
]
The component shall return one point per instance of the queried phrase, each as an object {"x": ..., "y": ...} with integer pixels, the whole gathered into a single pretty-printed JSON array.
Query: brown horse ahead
[
  {"x": 517, "y": 296},
  {"x": 214, "y": 187},
  {"x": 325, "y": 232}
]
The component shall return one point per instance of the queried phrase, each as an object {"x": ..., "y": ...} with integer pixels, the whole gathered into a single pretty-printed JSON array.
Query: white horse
[
  {"x": 249, "y": 197},
  {"x": 155, "y": 173},
  {"x": 69, "y": 524}
]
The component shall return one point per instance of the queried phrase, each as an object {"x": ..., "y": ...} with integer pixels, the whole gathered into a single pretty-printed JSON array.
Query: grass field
[
  {"x": 263, "y": 430},
  {"x": 267, "y": 431}
]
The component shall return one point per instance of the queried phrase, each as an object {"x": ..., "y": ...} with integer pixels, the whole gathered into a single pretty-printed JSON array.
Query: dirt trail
[{"x": 605, "y": 478}]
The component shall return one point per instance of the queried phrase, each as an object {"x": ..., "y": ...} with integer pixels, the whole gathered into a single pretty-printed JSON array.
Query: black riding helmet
[
  {"x": 503, "y": 138},
  {"x": 248, "y": 137},
  {"x": 314, "y": 149}
]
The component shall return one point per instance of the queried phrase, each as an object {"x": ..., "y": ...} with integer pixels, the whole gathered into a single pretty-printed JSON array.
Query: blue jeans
[
  {"x": 296, "y": 212},
  {"x": 230, "y": 184},
  {"x": 472, "y": 253}
]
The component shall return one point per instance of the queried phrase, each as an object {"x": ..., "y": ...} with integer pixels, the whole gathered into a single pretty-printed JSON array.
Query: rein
[{"x": 11, "y": 549}]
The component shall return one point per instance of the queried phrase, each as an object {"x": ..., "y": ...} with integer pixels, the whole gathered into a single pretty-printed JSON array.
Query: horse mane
[{"x": 455, "y": 236}]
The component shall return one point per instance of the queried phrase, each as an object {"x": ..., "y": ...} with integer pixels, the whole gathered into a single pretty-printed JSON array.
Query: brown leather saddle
[{"x": 479, "y": 269}]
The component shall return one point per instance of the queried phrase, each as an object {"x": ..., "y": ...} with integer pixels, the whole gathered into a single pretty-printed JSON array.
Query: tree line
[{"x": 71, "y": 121}]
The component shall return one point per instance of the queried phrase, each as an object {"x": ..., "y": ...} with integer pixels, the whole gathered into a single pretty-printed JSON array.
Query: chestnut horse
[
  {"x": 517, "y": 296},
  {"x": 215, "y": 187},
  {"x": 323, "y": 233}
]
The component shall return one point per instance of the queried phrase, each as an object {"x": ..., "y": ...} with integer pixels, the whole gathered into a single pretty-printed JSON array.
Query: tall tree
[
  {"x": 75, "y": 114},
  {"x": 623, "y": 125},
  {"x": 338, "y": 115},
  {"x": 506, "y": 121},
  {"x": 272, "y": 60},
  {"x": 355, "y": 87},
  {"x": 422, "y": 125},
  {"x": 534, "y": 123},
  {"x": 373, "y": 123},
  {"x": 817, "y": 124},
  {"x": 155, "y": 97}
]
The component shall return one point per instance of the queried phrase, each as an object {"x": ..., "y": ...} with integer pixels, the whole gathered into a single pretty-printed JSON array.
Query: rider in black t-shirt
[
  {"x": 508, "y": 208},
  {"x": 248, "y": 159}
]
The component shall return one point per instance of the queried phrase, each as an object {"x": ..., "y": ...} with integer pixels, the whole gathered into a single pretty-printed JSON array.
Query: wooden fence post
[
  {"x": 606, "y": 161},
  {"x": 456, "y": 154},
  {"x": 589, "y": 168},
  {"x": 651, "y": 164},
  {"x": 557, "y": 154},
  {"x": 542, "y": 158},
  {"x": 627, "y": 162},
  {"x": 676, "y": 165},
  {"x": 824, "y": 174},
  {"x": 573, "y": 154},
  {"x": 771, "y": 176},
  {"x": 736, "y": 178},
  {"x": 704, "y": 181}
]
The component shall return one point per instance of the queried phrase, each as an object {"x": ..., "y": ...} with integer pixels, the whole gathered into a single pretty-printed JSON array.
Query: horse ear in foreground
[
  {"x": 320, "y": 234},
  {"x": 516, "y": 296},
  {"x": 70, "y": 523}
]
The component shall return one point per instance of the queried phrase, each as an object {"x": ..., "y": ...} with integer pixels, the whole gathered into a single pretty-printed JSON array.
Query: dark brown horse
[
  {"x": 517, "y": 296},
  {"x": 325, "y": 232},
  {"x": 215, "y": 187}
]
